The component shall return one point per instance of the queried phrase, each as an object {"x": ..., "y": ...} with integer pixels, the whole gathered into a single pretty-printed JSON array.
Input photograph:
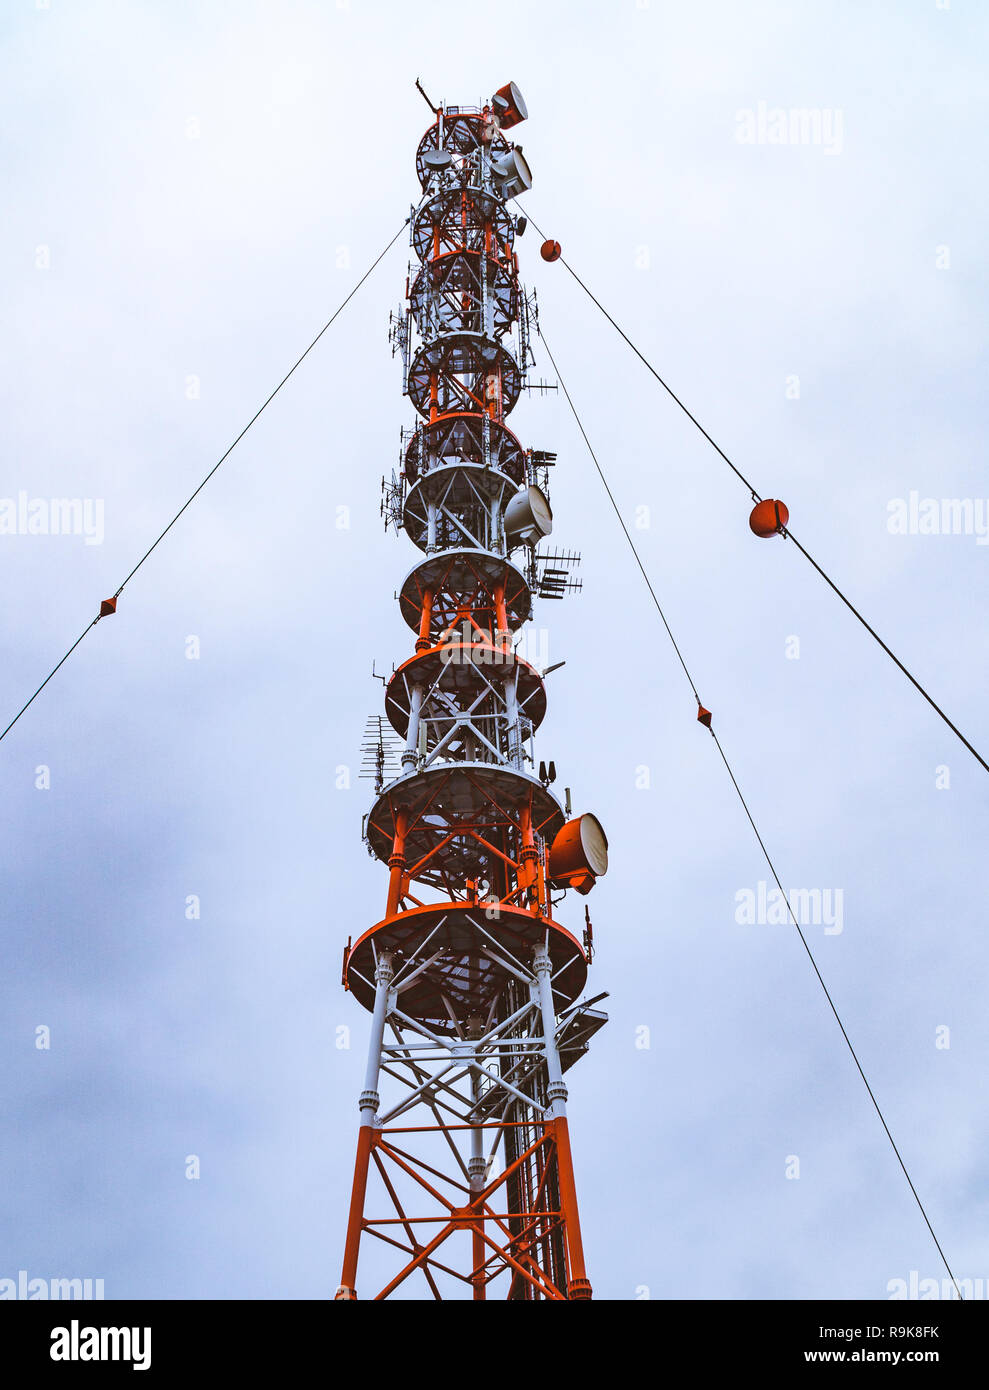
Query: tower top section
[{"x": 466, "y": 145}]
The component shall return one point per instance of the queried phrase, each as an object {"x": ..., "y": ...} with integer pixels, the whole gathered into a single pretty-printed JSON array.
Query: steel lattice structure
[{"x": 464, "y": 1167}]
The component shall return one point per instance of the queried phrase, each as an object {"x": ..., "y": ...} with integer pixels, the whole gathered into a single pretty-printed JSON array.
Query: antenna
[{"x": 419, "y": 88}]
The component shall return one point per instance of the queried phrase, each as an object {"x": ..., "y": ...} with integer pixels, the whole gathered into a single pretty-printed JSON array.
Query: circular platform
[
  {"x": 461, "y": 215},
  {"x": 461, "y": 434},
  {"x": 468, "y": 577},
  {"x": 463, "y": 672},
  {"x": 470, "y": 356},
  {"x": 466, "y": 490},
  {"x": 446, "y": 295},
  {"x": 462, "y": 138},
  {"x": 459, "y": 797},
  {"x": 464, "y": 971}
]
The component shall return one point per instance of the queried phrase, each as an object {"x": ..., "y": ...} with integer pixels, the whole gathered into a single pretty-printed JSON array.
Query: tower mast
[{"x": 464, "y": 1177}]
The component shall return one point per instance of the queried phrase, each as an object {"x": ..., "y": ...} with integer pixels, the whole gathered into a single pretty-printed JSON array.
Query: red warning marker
[
  {"x": 551, "y": 251},
  {"x": 704, "y": 716},
  {"x": 768, "y": 518},
  {"x": 108, "y": 606}
]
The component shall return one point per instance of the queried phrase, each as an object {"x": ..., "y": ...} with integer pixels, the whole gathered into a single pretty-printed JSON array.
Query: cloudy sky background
[{"x": 209, "y": 180}]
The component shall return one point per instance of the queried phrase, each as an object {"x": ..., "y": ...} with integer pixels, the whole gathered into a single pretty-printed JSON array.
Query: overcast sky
[{"x": 191, "y": 190}]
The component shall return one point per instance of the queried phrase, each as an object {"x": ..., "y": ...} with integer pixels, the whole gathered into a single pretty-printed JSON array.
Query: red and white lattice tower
[{"x": 464, "y": 1177}]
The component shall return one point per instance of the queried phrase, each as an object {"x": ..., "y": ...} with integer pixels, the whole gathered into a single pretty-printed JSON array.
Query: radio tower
[{"x": 464, "y": 1179}]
